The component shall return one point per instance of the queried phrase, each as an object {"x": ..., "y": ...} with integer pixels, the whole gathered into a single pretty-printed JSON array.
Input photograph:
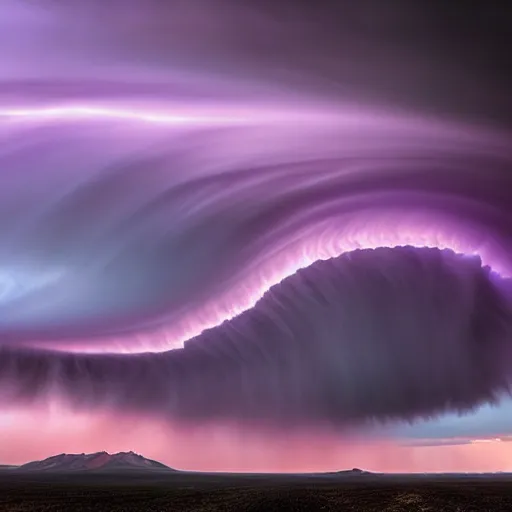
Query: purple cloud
[
  {"x": 345, "y": 341},
  {"x": 160, "y": 172}
]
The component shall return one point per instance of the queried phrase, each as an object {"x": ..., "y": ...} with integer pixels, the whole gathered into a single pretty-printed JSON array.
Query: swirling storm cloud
[
  {"x": 438, "y": 339},
  {"x": 197, "y": 229}
]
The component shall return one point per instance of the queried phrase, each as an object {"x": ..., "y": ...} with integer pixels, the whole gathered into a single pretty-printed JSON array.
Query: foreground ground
[{"x": 186, "y": 492}]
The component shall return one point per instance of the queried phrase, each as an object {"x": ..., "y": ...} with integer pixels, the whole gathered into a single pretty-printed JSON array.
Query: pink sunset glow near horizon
[{"x": 35, "y": 434}]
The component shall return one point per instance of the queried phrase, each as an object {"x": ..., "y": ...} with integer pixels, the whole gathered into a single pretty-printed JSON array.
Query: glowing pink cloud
[{"x": 306, "y": 149}]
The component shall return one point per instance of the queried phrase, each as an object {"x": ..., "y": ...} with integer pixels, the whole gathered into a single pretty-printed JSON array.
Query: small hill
[
  {"x": 352, "y": 472},
  {"x": 100, "y": 461}
]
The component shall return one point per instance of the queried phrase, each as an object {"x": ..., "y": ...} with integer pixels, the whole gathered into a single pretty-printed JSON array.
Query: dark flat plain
[{"x": 182, "y": 492}]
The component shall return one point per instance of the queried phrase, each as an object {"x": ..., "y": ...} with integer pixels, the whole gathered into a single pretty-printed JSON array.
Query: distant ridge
[
  {"x": 349, "y": 472},
  {"x": 100, "y": 461}
]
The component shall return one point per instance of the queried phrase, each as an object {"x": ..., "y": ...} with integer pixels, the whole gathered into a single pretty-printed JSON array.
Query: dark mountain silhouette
[
  {"x": 100, "y": 461},
  {"x": 350, "y": 472}
]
